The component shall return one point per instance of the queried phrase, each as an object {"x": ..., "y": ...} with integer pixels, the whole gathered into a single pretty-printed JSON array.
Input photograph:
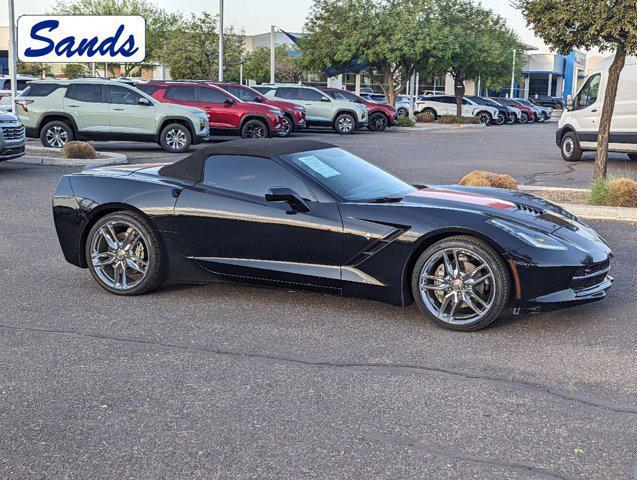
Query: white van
[{"x": 578, "y": 125}]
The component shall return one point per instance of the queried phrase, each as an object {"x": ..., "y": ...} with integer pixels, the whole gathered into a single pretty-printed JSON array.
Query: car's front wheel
[
  {"x": 485, "y": 117},
  {"x": 56, "y": 134},
  {"x": 254, "y": 129},
  {"x": 501, "y": 119},
  {"x": 524, "y": 117},
  {"x": 510, "y": 119},
  {"x": 571, "y": 151},
  {"x": 461, "y": 283},
  {"x": 377, "y": 122},
  {"x": 402, "y": 112},
  {"x": 125, "y": 254},
  {"x": 344, "y": 123},
  {"x": 288, "y": 126},
  {"x": 543, "y": 117},
  {"x": 175, "y": 138}
]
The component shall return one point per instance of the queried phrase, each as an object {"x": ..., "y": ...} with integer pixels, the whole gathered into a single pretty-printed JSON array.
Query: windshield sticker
[{"x": 319, "y": 167}]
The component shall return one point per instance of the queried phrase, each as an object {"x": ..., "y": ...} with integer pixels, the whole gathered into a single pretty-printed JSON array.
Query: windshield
[{"x": 349, "y": 176}]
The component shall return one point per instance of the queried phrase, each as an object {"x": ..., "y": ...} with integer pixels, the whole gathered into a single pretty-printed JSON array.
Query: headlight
[
  {"x": 299, "y": 108},
  {"x": 528, "y": 235}
]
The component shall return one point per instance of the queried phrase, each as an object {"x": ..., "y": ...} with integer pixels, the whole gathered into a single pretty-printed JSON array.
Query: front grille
[
  {"x": 590, "y": 275},
  {"x": 13, "y": 133}
]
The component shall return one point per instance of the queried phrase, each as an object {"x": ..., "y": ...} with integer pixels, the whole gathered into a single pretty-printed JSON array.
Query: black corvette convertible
[{"x": 307, "y": 214}]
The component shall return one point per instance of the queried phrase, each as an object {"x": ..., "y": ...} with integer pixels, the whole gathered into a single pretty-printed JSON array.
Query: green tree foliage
[
  {"x": 392, "y": 37},
  {"x": 159, "y": 22},
  {"x": 192, "y": 49},
  {"x": 74, "y": 70},
  {"x": 256, "y": 65},
  {"x": 609, "y": 25},
  {"x": 478, "y": 44},
  {"x": 36, "y": 69}
]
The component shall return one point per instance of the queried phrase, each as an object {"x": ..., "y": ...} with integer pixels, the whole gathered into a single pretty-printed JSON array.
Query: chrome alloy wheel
[
  {"x": 56, "y": 136},
  {"x": 345, "y": 124},
  {"x": 255, "y": 131},
  {"x": 457, "y": 286},
  {"x": 287, "y": 126},
  {"x": 119, "y": 255},
  {"x": 176, "y": 139}
]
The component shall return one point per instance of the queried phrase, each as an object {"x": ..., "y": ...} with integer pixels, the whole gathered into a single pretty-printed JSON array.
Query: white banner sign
[{"x": 81, "y": 38}]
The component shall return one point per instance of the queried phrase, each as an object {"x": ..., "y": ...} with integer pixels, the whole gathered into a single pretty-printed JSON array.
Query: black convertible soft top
[{"x": 191, "y": 167}]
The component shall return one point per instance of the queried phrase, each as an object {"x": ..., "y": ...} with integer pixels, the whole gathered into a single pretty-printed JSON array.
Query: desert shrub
[
  {"x": 451, "y": 119},
  {"x": 614, "y": 192},
  {"x": 425, "y": 118},
  {"x": 77, "y": 149},
  {"x": 405, "y": 122},
  {"x": 479, "y": 178}
]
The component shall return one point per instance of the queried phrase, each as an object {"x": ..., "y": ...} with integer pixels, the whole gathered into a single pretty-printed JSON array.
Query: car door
[
  {"x": 587, "y": 110},
  {"x": 86, "y": 103},
  {"x": 321, "y": 105},
  {"x": 221, "y": 108},
  {"x": 229, "y": 228},
  {"x": 130, "y": 112}
]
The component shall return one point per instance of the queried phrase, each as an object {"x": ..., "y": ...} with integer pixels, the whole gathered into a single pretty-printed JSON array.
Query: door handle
[
  {"x": 73, "y": 106},
  {"x": 119, "y": 109}
]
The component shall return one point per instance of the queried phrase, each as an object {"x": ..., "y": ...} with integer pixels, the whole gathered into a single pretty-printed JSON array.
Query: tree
[
  {"x": 35, "y": 69},
  {"x": 256, "y": 65},
  {"x": 74, "y": 70},
  {"x": 608, "y": 25},
  {"x": 478, "y": 44},
  {"x": 159, "y": 22},
  {"x": 390, "y": 37},
  {"x": 192, "y": 50}
]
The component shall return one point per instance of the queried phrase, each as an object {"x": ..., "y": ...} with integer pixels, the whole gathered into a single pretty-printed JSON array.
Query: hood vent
[{"x": 528, "y": 209}]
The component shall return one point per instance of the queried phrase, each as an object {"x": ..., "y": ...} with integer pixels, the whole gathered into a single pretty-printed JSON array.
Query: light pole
[
  {"x": 13, "y": 63},
  {"x": 513, "y": 75},
  {"x": 221, "y": 40},
  {"x": 272, "y": 53}
]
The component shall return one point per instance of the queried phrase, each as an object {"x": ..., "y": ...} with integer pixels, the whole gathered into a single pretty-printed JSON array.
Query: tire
[
  {"x": 485, "y": 117},
  {"x": 344, "y": 123},
  {"x": 570, "y": 148},
  {"x": 175, "y": 138},
  {"x": 288, "y": 127},
  {"x": 632, "y": 156},
  {"x": 511, "y": 119},
  {"x": 254, "y": 129},
  {"x": 501, "y": 119},
  {"x": 56, "y": 134},
  {"x": 430, "y": 111},
  {"x": 543, "y": 117},
  {"x": 377, "y": 122},
  {"x": 145, "y": 253},
  {"x": 402, "y": 112},
  {"x": 524, "y": 117},
  {"x": 492, "y": 286}
]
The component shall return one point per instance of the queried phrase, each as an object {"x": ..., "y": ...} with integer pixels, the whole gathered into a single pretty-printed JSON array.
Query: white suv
[
  {"x": 437, "y": 105},
  {"x": 5, "y": 90}
]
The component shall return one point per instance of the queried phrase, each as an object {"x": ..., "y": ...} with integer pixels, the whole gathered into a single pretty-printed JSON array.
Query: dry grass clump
[
  {"x": 480, "y": 178},
  {"x": 77, "y": 149},
  {"x": 425, "y": 118},
  {"x": 614, "y": 192}
]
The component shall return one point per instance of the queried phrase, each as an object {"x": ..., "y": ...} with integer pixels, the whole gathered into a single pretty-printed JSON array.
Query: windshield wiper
[{"x": 385, "y": 200}]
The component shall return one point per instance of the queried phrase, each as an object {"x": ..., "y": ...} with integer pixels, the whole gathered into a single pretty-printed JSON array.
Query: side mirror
[
  {"x": 144, "y": 101},
  {"x": 289, "y": 196},
  {"x": 325, "y": 99},
  {"x": 228, "y": 102},
  {"x": 569, "y": 102}
]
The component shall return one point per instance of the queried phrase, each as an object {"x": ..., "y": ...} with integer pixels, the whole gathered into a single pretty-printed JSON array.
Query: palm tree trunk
[{"x": 603, "y": 136}]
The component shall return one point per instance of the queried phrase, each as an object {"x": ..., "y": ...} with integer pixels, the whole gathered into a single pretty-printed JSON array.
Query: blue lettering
[{"x": 45, "y": 24}]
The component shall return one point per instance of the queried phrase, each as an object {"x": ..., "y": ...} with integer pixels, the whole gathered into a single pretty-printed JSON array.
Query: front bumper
[
  {"x": 569, "y": 297},
  {"x": 11, "y": 140}
]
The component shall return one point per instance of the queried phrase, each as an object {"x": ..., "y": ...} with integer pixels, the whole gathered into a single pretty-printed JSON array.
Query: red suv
[
  {"x": 381, "y": 116},
  {"x": 225, "y": 111},
  {"x": 293, "y": 114}
]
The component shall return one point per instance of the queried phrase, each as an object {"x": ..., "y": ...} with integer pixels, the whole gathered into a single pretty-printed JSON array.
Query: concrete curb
[
  {"x": 589, "y": 212},
  {"x": 106, "y": 158},
  {"x": 438, "y": 126}
]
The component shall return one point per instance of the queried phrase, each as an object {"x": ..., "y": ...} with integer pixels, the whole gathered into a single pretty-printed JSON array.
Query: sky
[{"x": 256, "y": 16}]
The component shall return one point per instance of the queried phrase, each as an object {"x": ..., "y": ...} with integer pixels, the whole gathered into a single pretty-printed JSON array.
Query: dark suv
[
  {"x": 381, "y": 115},
  {"x": 226, "y": 113},
  {"x": 293, "y": 114}
]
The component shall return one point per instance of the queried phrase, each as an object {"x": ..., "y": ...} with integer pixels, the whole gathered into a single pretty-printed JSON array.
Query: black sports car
[{"x": 308, "y": 214}]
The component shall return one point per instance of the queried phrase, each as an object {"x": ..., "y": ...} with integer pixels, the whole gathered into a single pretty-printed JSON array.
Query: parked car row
[{"x": 491, "y": 111}]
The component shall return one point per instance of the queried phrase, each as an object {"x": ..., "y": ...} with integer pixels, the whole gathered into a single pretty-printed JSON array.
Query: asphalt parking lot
[{"x": 228, "y": 381}]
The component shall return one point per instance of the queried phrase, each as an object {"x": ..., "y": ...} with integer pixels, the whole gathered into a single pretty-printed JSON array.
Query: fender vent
[{"x": 528, "y": 209}]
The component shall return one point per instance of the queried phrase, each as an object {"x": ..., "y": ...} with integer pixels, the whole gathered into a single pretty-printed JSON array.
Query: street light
[{"x": 221, "y": 40}]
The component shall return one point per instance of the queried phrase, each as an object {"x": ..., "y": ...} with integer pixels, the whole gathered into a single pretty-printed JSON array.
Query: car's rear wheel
[
  {"x": 402, "y": 112},
  {"x": 461, "y": 283},
  {"x": 254, "y": 129},
  {"x": 485, "y": 117},
  {"x": 510, "y": 119},
  {"x": 501, "y": 119},
  {"x": 377, "y": 122},
  {"x": 56, "y": 134},
  {"x": 124, "y": 254},
  {"x": 175, "y": 138},
  {"x": 344, "y": 123},
  {"x": 524, "y": 117},
  {"x": 570, "y": 148},
  {"x": 430, "y": 111}
]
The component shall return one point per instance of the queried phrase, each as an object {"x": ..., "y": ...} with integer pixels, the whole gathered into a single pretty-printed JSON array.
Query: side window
[
  {"x": 181, "y": 93},
  {"x": 251, "y": 175},
  {"x": 123, "y": 95},
  {"x": 288, "y": 93},
  {"x": 84, "y": 92},
  {"x": 312, "y": 95},
  {"x": 210, "y": 95},
  {"x": 40, "y": 89},
  {"x": 148, "y": 89},
  {"x": 588, "y": 94}
]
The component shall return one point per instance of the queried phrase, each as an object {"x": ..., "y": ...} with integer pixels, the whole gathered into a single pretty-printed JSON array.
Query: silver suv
[
  {"x": 11, "y": 137},
  {"x": 59, "y": 111},
  {"x": 321, "y": 110}
]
